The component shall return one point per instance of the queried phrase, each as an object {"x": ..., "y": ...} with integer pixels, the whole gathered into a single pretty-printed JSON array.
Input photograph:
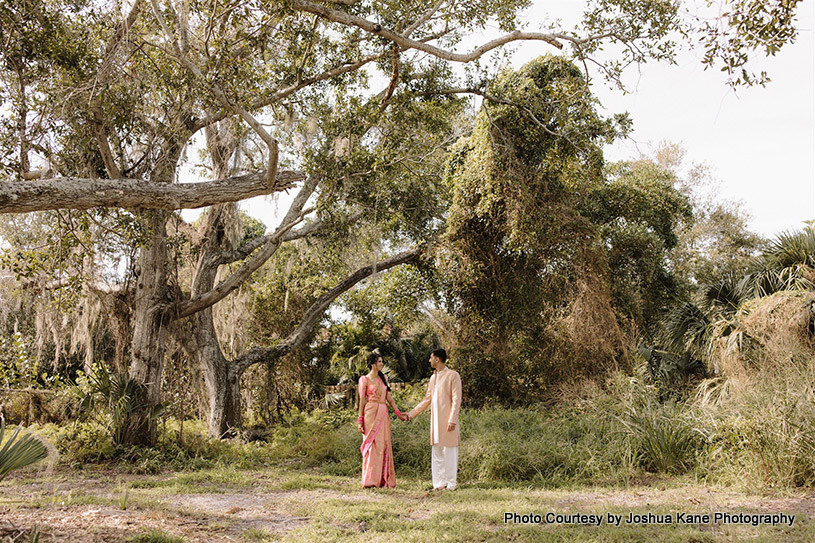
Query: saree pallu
[{"x": 377, "y": 452}]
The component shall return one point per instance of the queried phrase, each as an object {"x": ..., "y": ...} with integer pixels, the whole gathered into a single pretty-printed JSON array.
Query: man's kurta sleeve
[
  {"x": 425, "y": 403},
  {"x": 455, "y": 390}
]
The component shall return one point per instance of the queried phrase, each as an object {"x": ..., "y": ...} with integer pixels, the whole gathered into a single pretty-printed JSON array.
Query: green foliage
[
  {"x": 759, "y": 437},
  {"x": 116, "y": 399},
  {"x": 81, "y": 443},
  {"x": 746, "y": 27},
  {"x": 542, "y": 447},
  {"x": 651, "y": 26},
  {"x": 39, "y": 39},
  {"x": 761, "y": 434},
  {"x": 639, "y": 212},
  {"x": 385, "y": 316},
  {"x": 662, "y": 440},
  {"x": 17, "y": 367},
  {"x": 791, "y": 249},
  {"x": 19, "y": 451},
  {"x": 545, "y": 242},
  {"x": 694, "y": 325},
  {"x": 516, "y": 227},
  {"x": 674, "y": 375},
  {"x": 30, "y": 405},
  {"x": 511, "y": 219},
  {"x": 156, "y": 536}
]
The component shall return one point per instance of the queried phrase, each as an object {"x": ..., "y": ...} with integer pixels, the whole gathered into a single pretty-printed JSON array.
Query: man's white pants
[{"x": 444, "y": 465}]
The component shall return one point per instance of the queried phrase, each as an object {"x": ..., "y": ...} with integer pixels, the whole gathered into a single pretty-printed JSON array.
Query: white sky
[{"x": 760, "y": 142}]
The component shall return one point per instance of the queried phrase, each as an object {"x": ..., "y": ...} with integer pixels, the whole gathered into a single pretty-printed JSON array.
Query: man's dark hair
[{"x": 441, "y": 354}]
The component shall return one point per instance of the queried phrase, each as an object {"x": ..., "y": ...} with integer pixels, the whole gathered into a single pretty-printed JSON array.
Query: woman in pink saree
[{"x": 375, "y": 425}]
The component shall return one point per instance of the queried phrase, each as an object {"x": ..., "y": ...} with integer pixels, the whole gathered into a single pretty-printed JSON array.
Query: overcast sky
[{"x": 759, "y": 142}]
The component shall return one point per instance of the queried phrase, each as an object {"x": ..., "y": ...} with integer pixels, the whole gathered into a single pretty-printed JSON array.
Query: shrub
[{"x": 662, "y": 440}]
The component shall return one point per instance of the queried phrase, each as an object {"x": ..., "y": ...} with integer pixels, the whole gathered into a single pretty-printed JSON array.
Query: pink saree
[{"x": 377, "y": 454}]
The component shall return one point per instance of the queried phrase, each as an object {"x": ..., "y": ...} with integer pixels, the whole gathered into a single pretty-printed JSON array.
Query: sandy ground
[
  {"x": 56, "y": 509},
  {"x": 77, "y": 508}
]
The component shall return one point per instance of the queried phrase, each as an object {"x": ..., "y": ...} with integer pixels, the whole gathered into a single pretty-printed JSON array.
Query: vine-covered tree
[{"x": 553, "y": 258}]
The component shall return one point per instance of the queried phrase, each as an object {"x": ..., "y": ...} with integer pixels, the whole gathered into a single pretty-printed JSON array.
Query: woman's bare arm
[{"x": 363, "y": 399}]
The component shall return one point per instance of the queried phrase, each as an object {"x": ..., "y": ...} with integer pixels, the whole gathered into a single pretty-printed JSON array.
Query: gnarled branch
[
  {"x": 294, "y": 216},
  {"x": 407, "y": 43},
  {"x": 84, "y": 193},
  {"x": 316, "y": 310}
]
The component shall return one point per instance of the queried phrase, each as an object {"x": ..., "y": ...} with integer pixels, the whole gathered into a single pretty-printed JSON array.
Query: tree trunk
[
  {"x": 149, "y": 323},
  {"x": 222, "y": 384},
  {"x": 221, "y": 381}
]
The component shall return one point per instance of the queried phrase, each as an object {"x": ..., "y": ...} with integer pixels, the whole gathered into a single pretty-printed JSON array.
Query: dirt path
[
  {"x": 69, "y": 506},
  {"x": 81, "y": 509}
]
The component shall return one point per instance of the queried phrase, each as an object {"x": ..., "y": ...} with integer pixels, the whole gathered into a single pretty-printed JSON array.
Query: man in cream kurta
[{"x": 444, "y": 399}]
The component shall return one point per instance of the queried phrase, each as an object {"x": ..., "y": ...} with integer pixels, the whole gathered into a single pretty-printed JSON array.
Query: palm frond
[
  {"x": 792, "y": 248},
  {"x": 115, "y": 397},
  {"x": 726, "y": 294},
  {"x": 685, "y": 326},
  {"x": 333, "y": 399},
  {"x": 766, "y": 280},
  {"x": 19, "y": 452}
]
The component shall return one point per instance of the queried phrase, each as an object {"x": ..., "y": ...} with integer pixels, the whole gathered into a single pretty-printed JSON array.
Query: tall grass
[
  {"x": 762, "y": 431},
  {"x": 759, "y": 434},
  {"x": 663, "y": 439}
]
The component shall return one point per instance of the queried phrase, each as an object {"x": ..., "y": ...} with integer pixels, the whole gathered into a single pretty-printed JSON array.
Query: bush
[
  {"x": 763, "y": 431},
  {"x": 81, "y": 443},
  {"x": 761, "y": 435},
  {"x": 31, "y": 406},
  {"x": 663, "y": 441}
]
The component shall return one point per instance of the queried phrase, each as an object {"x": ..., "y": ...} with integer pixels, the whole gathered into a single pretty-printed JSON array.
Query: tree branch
[
  {"x": 100, "y": 131},
  {"x": 528, "y": 112},
  {"x": 112, "y": 46},
  {"x": 291, "y": 235},
  {"x": 271, "y": 143},
  {"x": 294, "y": 216},
  {"x": 249, "y": 247},
  {"x": 316, "y": 310},
  {"x": 424, "y": 18},
  {"x": 83, "y": 193},
  {"x": 264, "y": 101},
  {"x": 386, "y": 99},
  {"x": 406, "y": 43},
  {"x": 288, "y": 91},
  {"x": 97, "y": 286}
]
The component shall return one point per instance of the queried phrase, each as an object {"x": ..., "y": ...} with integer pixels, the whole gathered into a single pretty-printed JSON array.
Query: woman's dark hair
[
  {"x": 372, "y": 358},
  {"x": 441, "y": 354}
]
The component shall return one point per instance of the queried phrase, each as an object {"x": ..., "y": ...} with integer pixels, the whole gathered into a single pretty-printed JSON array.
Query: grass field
[
  {"x": 287, "y": 504},
  {"x": 611, "y": 451}
]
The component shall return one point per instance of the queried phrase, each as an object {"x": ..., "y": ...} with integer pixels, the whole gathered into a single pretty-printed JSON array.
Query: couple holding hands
[{"x": 443, "y": 396}]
